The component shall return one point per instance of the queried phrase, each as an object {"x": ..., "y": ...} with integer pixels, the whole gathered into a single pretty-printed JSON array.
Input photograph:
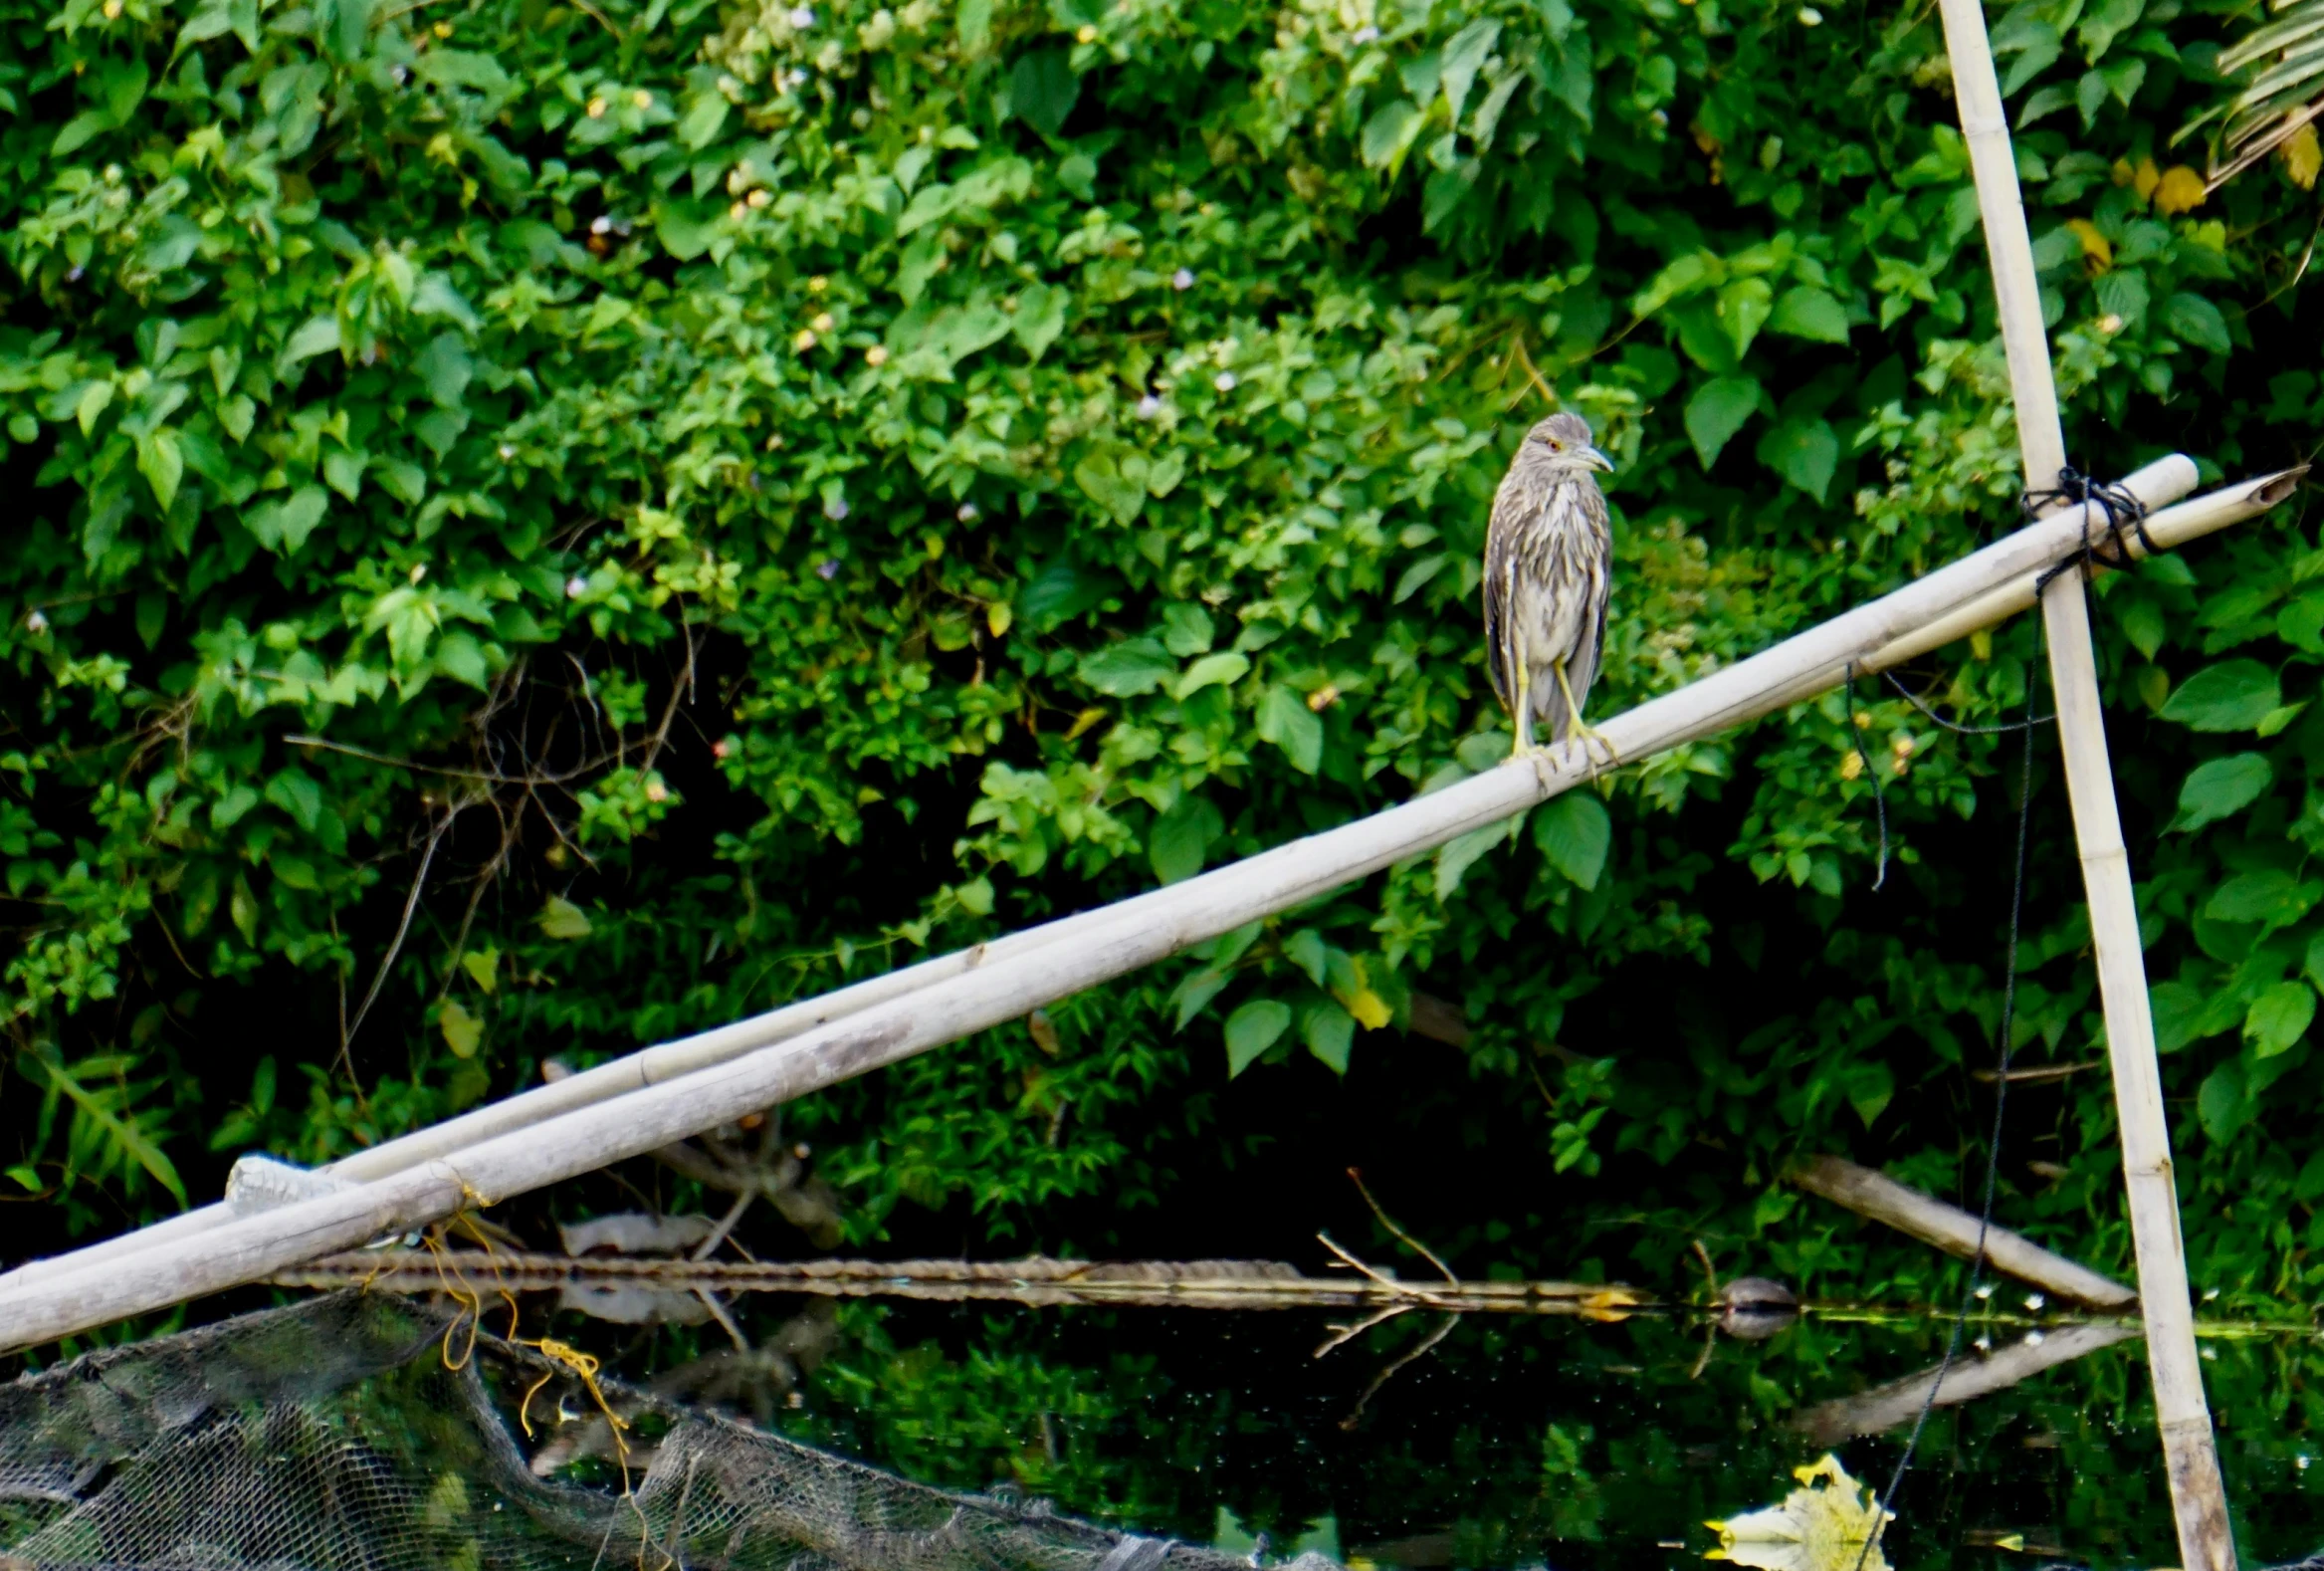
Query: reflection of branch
[
  {"x": 1900, "y": 1401},
  {"x": 1342, "y": 1335},
  {"x": 1444, "y": 1023},
  {"x": 1387, "y": 1374}
]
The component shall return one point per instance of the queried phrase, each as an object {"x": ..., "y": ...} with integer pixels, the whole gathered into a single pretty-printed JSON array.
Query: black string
[
  {"x": 1992, "y": 1155},
  {"x": 1879, "y": 799},
  {"x": 1914, "y": 699}
]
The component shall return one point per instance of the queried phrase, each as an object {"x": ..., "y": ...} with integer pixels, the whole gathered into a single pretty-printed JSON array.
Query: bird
[{"x": 1548, "y": 575}]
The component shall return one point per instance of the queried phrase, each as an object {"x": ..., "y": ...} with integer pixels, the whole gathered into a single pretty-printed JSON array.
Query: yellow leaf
[
  {"x": 2095, "y": 246},
  {"x": 561, "y": 919},
  {"x": 1044, "y": 1031},
  {"x": 2303, "y": 156},
  {"x": 1083, "y": 720},
  {"x": 997, "y": 617},
  {"x": 463, "y": 1031},
  {"x": 2181, "y": 190},
  {"x": 2146, "y": 178},
  {"x": 1370, "y": 1012},
  {"x": 485, "y": 966}
]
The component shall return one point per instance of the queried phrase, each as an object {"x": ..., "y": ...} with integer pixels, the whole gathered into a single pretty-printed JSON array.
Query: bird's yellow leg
[
  {"x": 1520, "y": 718},
  {"x": 1577, "y": 729}
]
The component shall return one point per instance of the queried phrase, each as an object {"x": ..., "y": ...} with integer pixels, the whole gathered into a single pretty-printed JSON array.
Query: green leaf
[
  {"x": 2196, "y": 319},
  {"x": 1128, "y": 669},
  {"x": 463, "y": 1031},
  {"x": 1717, "y": 411},
  {"x": 2176, "y": 1008},
  {"x": 460, "y": 67},
  {"x": 1389, "y": 135},
  {"x": 2279, "y": 1017},
  {"x": 2221, "y": 788},
  {"x": 1286, "y": 721},
  {"x": 126, "y": 1132},
  {"x": 1180, "y": 838},
  {"x": 974, "y": 22},
  {"x": 445, "y": 369},
  {"x": 1810, "y": 312},
  {"x": 2142, "y": 624},
  {"x": 1194, "y": 991},
  {"x": 1224, "y": 669},
  {"x": 483, "y": 969},
  {"x": 1252, "y": 1029},
  {"x": 1307, "y": 950},
  {"x": 282, "y": 527},
  {"x": 561, "y": 919},
  {"x": 2301, "y": 623},
  {"x": 2269, "y": 895},
  {"x": 162, "y": 465},
  {"x": 2221, "y": 1103},
  {"x": 2123, "y": 293},
  {"x": 26, "y": 1178},
  {"x": 1805, "y": 452},
  {"x": 705, "y": 115},
  {"x": 685, "y": 229},
  {"x": 1040, "y": 318},
  {"x": 1455, "y": 857},
  {"x": 1871, "y": 1087},
  {"x": 1575, "y": 834},
  {"x": 2234, "y": 695},
  {"x": 1743, "y": 308},
  {"x": 1188, "y": 629},
  {"x": 1042, "y": 90},
  {"x": 1107, "y": 477},
  {"x": 1331, "y": 1034},
  {"x": 318, "y": 335}
]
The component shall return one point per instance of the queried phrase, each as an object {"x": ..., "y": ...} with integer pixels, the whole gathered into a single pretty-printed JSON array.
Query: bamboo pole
[
  {"x": 2191, "y": 1455},
  {"x": 2154, "y": 485},
  {"x": 1955, "y": 1232},
  {"x": 251, "y": 1249}
]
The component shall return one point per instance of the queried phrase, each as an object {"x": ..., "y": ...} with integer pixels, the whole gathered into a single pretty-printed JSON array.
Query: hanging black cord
[
  {"x": 1992, "y": 1155},
  {"x": 1879, "y": 800},
  {"x": 1914, "y": 699}
]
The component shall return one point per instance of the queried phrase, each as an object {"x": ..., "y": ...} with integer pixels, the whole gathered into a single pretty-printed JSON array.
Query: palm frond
[{"x": 2284, "y": 92}]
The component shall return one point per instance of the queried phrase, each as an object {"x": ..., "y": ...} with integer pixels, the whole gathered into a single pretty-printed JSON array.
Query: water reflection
[{"x": 1486, "y": 1441}]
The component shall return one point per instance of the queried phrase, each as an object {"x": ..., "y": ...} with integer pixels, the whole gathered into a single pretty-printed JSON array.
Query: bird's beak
[{"x": 1598, "y": 460}]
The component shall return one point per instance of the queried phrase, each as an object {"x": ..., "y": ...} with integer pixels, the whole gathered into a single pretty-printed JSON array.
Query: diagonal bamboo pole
[
  {"x": 2191, "y": 1456},
  {"x": 2157, "y": 483},
  {"x": 132, "y": 1279}
]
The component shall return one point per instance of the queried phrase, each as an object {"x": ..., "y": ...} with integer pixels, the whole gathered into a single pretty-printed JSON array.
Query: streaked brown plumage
[{"x": 1549, "y": 565}]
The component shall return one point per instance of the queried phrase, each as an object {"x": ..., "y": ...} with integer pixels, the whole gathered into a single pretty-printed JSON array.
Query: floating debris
[{"x": 1823, "y": 1525}]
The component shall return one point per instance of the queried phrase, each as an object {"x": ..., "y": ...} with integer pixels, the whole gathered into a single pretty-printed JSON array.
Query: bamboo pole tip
[{"x": 2272, "y": 489}]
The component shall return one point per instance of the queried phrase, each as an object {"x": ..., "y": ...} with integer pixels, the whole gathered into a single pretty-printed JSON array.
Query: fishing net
[{"x": 353, "y": 1431}]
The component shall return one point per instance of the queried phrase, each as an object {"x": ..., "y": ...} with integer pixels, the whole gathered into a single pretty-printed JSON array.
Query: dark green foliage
[{"x": 540, "y": 529}]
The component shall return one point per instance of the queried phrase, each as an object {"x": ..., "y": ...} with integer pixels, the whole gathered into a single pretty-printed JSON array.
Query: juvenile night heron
[{"x": 1549, "y": 562}]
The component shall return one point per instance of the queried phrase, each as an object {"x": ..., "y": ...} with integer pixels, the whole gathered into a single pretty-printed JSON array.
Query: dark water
[{"x": 1510, "y": 1442}]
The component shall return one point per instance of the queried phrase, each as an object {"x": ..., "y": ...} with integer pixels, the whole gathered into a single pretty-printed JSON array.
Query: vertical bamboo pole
[{"x": 2197, "y": 1498}]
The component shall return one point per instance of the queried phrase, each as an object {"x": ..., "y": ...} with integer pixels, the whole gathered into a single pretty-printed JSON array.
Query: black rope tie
[{"x": 2121, "y": 506}]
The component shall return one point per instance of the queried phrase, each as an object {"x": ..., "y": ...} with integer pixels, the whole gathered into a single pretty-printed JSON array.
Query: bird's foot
[
  {"x": 1592, "y": 742},
  {"x": 1522, "y": 745}
]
